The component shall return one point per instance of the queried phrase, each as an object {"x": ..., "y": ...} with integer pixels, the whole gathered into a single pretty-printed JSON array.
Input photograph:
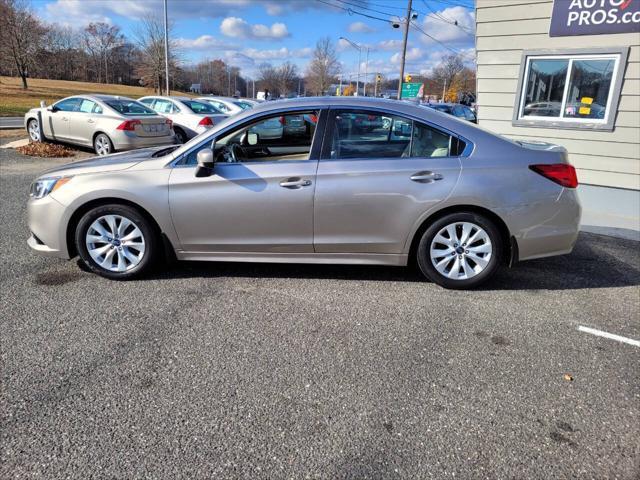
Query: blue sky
[{"x": 246, "y": 33}]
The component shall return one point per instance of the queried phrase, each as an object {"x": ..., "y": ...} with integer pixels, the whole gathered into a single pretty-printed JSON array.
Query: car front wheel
[
  {"x": 116, "y": 241},
  {"x": 34, "y": 130},
  {"x": 460, "y": 250}
]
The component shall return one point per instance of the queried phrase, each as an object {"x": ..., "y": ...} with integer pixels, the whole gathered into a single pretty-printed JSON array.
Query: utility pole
[
  {"x": 404, "y": 47},
  {"x": 166, "y": 47},
  {"x": 444, "y": 89}
]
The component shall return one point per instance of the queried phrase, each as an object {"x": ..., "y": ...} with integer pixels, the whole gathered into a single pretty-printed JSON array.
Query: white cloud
[
  {"x": 236, "y": 27},
  {"x": 277, "y": 54},
  {"x": 389, "y": 45},
  {"x": 413, "y": 54},
  {"x": 204, "y": 42},
  {"x": 441, "y": 26},
  {"x": 360, "y": 27},
  {"x": 81, "y": 12}
]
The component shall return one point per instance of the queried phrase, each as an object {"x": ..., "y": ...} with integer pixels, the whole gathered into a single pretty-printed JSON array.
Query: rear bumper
[
  {"x": 123, "y": 140},
  {"x": 545, "y": 229}
]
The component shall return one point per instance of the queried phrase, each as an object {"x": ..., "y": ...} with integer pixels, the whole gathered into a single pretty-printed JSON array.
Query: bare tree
[
  {"x": 287, "y": 77},
  {"x": 323, "y": 68},
  {"x": 150, "y": 40},
  {"x": 101, "y": 39},
  {"x": 20, "y": 36},
  {"x": 448, "y": 69},
  {"x": 268, "y": 78}
]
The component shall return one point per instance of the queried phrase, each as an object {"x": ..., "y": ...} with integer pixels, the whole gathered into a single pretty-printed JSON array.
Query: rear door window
[
  {"x": 369, "y": 134},
  {"x": 87, "y": 106}
]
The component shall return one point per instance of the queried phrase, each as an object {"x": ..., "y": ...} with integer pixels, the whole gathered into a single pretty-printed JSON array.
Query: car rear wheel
[
  {"x": 181, "y": 137},
  {"x": 34, "y": 130},
  {"x": 116, "y": 241},
  {"x": 102, "y": 144},
  {"x": 460, "y": 251}
]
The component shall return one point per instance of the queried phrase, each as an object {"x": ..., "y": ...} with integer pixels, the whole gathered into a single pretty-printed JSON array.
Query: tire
[
  {"x": 109, "y": 255},
  {"x": 181, "y": 137},
  {"x": 34, "y": 130},
  {"x": 102, "y": 144},
  {"x": 476, "y": 262}
]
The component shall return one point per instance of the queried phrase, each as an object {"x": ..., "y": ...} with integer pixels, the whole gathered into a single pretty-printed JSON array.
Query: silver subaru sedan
[
  {"x": 362, "y": 181},
  {"x": 108, "y": 123}
]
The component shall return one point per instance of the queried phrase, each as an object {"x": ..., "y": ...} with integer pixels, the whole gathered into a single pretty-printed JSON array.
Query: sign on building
[{"x": 594, "y": 17}]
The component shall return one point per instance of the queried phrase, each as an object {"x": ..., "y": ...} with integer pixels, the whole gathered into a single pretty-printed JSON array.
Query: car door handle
[
  {"x": 294, "y": 183},
  {"x": 64, "y": 119},
  {"x": 426, "y": 177},
  {"x": 90, "y": 121}
]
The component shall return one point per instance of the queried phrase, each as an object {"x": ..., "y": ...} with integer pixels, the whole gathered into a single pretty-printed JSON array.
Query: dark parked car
[{"x": 457, "y": 110}]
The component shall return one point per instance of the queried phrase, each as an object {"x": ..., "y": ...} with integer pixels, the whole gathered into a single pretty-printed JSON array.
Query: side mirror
[
  {"x": 252, "y": 139},
  {"x": 52, "y": 109},
  {"x": 206, "y": 162}
]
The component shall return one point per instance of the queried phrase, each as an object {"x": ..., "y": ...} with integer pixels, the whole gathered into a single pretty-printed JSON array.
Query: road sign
[{"x": 410, "y": 90}]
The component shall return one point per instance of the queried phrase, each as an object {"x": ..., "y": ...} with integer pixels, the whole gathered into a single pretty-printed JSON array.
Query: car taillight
[
  {"x": 281, "y": 120},
  {"x": 560, "y": 173},
  {"x": 129, "y": 125},
  {"x": 313, "y": 118},
  {"x": 169, "y": 123},
  {"x": 371, "y": 117},
  {"x": 206, "y": 122}
]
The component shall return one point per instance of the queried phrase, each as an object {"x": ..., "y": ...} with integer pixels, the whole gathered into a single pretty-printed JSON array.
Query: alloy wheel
[
  {"x": 34, "y": 131},
  {"x": 461, "y": 250},
  {"x": 115, "y": 243},
  {"x": 102, "y": 145}
]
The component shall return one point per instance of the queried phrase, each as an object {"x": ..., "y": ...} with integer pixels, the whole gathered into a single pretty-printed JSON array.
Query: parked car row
[{"x": 109, "y": 123}]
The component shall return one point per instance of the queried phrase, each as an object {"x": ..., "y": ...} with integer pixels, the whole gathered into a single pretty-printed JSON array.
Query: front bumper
[
  {"x": 47, "y": 222},
  {"x": 124, "y": 140}
]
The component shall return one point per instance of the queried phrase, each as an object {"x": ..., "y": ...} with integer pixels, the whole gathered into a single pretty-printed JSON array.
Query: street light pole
[
  {"x": 366, "y": 72},
  {"x": 359, "y": 48},
  {"x": 404, "y": 48},
  {"x": 166, "y": 47},
  {"x": 358, "y": 78}
]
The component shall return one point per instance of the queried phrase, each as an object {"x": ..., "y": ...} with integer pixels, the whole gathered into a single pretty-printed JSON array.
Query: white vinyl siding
[{"x": 505, "y": 28}]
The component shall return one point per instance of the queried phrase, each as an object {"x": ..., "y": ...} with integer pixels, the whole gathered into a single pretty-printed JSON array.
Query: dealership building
[{"x": 568, "y": 72}]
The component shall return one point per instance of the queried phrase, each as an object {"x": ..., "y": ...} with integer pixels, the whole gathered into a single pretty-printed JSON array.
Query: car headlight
[{"x": 44, "y": 186}]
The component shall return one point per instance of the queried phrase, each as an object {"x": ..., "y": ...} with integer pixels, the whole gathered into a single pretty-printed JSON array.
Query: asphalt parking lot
[{"x": 289, "y": 371}]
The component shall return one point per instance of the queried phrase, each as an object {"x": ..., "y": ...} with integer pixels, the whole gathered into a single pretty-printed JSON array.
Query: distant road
[{"x": 11, "y": 122}]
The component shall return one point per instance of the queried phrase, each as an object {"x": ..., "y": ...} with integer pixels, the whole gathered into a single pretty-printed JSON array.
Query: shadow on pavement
[{"x": 596, "y": 262}]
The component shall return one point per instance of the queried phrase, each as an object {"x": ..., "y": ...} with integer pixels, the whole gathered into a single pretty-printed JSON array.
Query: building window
[{"x": 577, "y": 90}]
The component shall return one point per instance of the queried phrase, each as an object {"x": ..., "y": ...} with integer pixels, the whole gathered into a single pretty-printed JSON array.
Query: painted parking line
[{"x": 611, "y": 336}]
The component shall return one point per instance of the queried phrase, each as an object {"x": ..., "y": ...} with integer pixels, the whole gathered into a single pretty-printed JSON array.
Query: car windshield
[
  {"x": 129, "y": 107},
  {"x": 200, "y": 107}
]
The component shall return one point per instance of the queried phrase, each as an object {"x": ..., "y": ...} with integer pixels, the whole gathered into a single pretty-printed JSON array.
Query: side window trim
[
  {"x": 330, "y": 126},
  {"x": 314, "y": 153}
]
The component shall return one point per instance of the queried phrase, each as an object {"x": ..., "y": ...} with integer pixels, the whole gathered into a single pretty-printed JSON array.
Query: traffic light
[
  {"x": 407, "y": 78},
  {"x": 378, "y": 78}
]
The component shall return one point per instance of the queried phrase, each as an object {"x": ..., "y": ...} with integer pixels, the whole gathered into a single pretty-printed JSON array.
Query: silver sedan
[
  {"x": 415, "y": 186},
  {"x": 107, "y": 123}
]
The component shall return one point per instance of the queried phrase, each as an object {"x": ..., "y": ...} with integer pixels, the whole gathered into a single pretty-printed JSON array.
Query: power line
[
  {"x": 454, "y": 50},
  {"x": 350, "y": 11},
  {"x": 442, "y": 18}
]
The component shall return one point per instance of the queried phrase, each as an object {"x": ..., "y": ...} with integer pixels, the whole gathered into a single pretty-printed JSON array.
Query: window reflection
[
  {"x": 589, "y": 88},
  {"x": 545, "y": 87}
]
